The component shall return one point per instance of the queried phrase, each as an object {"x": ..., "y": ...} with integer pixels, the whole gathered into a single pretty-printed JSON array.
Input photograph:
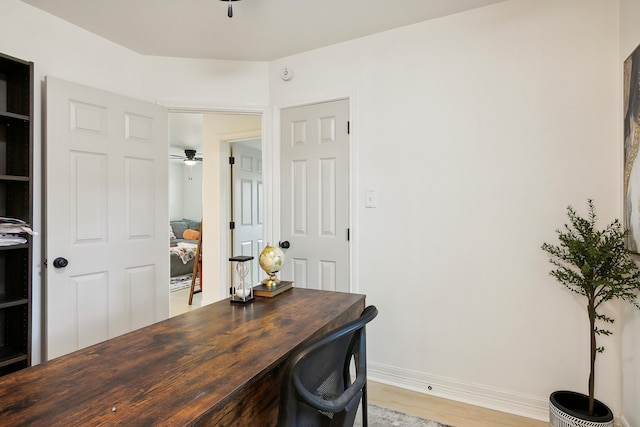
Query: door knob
[
  {"x": 60, "y": 262},
  {"x": 284, "y": 245}
]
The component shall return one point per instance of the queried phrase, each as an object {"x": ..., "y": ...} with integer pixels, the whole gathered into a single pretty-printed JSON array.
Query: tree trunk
[{"x": 594, "y": 350}]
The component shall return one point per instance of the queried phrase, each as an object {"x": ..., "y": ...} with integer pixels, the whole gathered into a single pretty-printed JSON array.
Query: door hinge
[
  {"x": 348, "y": 127},
  {"x": 232, "y": 160},
  {"x": 348, "y": 234},
  {"x": 232, "y": 225}
]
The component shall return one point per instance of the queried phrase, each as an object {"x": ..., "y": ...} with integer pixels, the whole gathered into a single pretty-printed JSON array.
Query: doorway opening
[{"x": 203, "y": 190}]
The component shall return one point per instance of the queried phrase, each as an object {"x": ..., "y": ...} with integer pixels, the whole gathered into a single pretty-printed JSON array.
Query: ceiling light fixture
[
  {"x": 230, "y": 8},
  {"x": 190, "y": 160}
]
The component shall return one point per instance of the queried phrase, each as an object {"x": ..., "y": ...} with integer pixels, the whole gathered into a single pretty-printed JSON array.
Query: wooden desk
[{"x": 218, "y": 365}]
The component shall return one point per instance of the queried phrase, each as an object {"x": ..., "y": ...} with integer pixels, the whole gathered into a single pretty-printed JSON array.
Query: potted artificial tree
[{"x": 595, "y": 264}]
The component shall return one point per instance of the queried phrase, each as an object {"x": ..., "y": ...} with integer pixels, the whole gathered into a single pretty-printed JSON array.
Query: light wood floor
[
  {"x": 179, "y": 302},
  {"x": 442, "y": 410},
  {"x": 421, "y": 405}
]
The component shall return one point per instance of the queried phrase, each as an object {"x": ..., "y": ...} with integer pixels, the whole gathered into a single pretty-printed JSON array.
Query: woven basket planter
[{"x": 570, "y": 409}]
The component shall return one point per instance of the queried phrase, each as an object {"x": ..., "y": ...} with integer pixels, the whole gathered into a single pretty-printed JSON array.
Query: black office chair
[{"x": 317, "y": 390}]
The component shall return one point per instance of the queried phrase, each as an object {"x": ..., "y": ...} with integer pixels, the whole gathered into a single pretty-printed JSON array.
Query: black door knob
[
  {"x": 60, "y": 262},
  {"x": 285, "y": 244}
]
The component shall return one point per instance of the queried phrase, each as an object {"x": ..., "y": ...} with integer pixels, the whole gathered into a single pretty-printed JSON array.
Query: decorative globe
[{"x": 271, "y": 261}]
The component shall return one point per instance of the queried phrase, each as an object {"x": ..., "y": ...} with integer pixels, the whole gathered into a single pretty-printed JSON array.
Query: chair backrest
[{"x": 318, "y": 389}]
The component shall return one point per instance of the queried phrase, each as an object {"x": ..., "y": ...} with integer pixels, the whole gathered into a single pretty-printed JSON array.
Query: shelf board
[
  {"x": 12, "y": 301},
  {"x": 12, "y": 247},
  {"x": 17, "y": 178},
  {"x": 10, "y": 355},
  {"x": 13, "y": 116}
]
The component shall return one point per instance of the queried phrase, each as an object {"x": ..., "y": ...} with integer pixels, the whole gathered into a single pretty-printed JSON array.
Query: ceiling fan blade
[{"x": 189, "y": 154}]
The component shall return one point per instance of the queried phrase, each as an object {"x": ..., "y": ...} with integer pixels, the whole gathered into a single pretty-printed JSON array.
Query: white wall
[
  {"x": 176, "y": 194},
  {"x": 185, "y": 191},
  {"x": 192, "y": 179},
  {"x": 630, "y": 322},
  {"x": 62, "y": 50},
  {"x": 477, "y": 130}
]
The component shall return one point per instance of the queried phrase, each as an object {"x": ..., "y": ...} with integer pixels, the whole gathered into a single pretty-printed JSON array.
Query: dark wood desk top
[{"x": 182, "y": 371}]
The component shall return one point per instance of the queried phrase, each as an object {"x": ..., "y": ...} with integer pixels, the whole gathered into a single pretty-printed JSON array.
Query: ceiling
[
  {"x": 260, "y": 30},
  {"x": 185, "y": 131}
]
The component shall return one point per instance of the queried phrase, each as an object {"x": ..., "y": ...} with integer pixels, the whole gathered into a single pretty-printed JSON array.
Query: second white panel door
[{"x": 315, "y": 195}]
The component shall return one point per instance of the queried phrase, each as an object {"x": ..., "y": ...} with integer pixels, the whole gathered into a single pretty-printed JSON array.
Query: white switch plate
[{"x": 370, "y": 199}]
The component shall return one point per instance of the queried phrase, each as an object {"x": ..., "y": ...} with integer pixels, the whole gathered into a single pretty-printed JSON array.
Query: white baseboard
[
  {"x": 473, "y": 394},
  {"x": 624, "y": 422}
]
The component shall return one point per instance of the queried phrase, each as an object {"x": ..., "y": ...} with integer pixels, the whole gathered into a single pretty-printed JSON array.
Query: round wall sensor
[{"x": 287, "y": 74}]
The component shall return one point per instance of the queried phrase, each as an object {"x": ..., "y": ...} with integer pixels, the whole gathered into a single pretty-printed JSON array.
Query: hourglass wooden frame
[{"x": 239, "y": 279}]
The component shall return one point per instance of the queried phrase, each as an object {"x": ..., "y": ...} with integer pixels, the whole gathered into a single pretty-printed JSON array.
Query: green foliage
[{"x": 595, "y": 264}]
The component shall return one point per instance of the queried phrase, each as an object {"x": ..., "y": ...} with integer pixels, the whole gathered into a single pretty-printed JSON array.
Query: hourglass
[{"x": 242, "y": 288}]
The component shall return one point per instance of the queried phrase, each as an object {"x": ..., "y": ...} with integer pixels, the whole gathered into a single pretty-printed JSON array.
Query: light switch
[{"x": 370, "y": 199}]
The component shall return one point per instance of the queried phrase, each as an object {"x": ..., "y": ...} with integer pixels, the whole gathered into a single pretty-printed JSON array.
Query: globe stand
[{"x": 272, "y": 281}]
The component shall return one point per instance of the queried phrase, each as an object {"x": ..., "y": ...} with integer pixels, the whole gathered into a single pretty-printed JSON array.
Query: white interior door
[
  {"x": 315, "y": 195},
  {"x": 106, "y": 215},
  {"x": 247, "y": 204}
]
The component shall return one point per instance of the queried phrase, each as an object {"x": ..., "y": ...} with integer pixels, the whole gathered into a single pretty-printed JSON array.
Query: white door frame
[
  {"x": 274, "y": 166},
  {"x": 212, "y": 294}
]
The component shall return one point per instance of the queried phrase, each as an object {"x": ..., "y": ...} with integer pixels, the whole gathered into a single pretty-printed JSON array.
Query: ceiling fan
[{"x": 189, "y": 157}]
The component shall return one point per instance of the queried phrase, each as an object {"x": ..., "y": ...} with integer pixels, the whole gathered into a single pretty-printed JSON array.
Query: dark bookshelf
[{"x": 16, "y": 201}]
